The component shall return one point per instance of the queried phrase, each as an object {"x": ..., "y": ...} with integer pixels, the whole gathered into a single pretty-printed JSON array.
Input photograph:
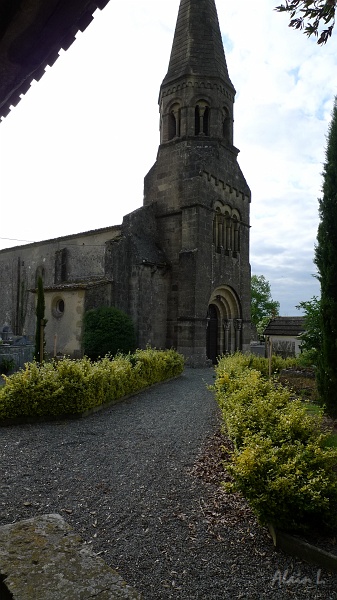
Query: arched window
[
  {"x": 206, "y": 121},
  {"x": 61, "y": 266},
  {"x": 201, "y": 118},
  {"x": 226, "y": 125},
  {"x": 228, "y": 232},
  {"x": 218, "y": 230},
  {"x": 174, "y": 122},
  {"x": 172, "y": 126},
  {"x": 197, "y": 120},
  {"x": 236, "y": 234},
  {"x": 215, "y": 229}
]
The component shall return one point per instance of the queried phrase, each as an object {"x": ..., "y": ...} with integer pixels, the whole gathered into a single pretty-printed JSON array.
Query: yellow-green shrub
[
  {"x": 238, "y": 361},
  {"x": 252, "y": 404},
  {"x": 292, "y": 485},
  {"x": 158, "y": 365},
  {"x": 280, "y": 462},
  {"x": 66, "y": 386}
]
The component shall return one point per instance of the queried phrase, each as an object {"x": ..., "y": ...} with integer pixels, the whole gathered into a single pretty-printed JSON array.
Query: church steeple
[
  {"x": 197, "y": 46},
  {"x": 199, "y": 196},
  {"x": 196, "y": 96}
]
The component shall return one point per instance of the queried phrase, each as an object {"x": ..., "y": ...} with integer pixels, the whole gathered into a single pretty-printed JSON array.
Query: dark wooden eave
[
  {"x": 285, "y": 326},
  {"x": 32, "y": 32}
]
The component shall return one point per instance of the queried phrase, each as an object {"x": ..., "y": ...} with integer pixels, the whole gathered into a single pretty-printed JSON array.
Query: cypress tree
[
  {"x": 40, "y": 320},
  {"x": 326, "y": 262}
]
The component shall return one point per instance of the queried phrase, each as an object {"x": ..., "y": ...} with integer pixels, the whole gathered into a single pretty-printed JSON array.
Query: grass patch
[
  {"x": 312, "y": 408},
  {"x": 331, "y": 441}
]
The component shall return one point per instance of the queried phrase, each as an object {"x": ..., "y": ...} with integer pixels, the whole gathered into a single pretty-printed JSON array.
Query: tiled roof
[
  {"x": 285, "y": 326},
  {"x": 75, "y": 285},
  {"x": 32, "y": 32}
]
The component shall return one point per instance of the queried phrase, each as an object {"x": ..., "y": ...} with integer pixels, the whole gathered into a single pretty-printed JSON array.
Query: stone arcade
[{"x": 179, "y": 265}]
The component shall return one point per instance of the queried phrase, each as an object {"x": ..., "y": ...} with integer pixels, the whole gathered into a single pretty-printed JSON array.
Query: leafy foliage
[
  {"x": 310, "y": 15},
  {"x": 312, "y": 337},
  {"x": 281, "y": 462},
  {"x": 107, "y": 330},
  {"x": 7, "y": 363},
  {"x": 326, "y": 262},
  {"x": 292, "y": 486},
  {"x": 72, "y": 387},
  {"x": 263, "y": 307}
]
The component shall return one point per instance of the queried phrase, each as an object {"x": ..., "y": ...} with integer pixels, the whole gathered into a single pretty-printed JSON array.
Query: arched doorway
[{"x": 224, "y": 323}]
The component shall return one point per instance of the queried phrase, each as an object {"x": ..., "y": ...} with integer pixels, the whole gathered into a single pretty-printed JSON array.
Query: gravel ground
[{"x": 129, "y": 480}]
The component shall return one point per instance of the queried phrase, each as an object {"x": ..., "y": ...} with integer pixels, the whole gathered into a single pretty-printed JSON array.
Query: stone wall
[
  {"x": 69, "y": 258},
  {"x": 19, "y": 354}
]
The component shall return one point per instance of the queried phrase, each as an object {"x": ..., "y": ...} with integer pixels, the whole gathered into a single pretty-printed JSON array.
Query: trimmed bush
[
  {"x": 72, "y": 387},
  {"x": 280, "y": 461},
  {"x": 107, "y": 330},
  {"x": 290, "y": 485}
]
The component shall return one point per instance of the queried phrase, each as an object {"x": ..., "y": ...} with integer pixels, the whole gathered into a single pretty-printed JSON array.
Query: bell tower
[
  {"x": 199, "y": 195},
  {"x": 197, "y": 61}
]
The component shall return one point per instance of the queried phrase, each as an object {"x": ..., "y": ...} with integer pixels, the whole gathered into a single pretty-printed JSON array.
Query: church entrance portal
[{"x": 224, "y": 324}]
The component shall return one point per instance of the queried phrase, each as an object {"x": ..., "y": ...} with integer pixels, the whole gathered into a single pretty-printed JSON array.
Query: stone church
[{"x": 179, "y": 265}]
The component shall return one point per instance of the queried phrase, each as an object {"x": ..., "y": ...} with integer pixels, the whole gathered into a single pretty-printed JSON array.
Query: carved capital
[{"x": 238, "y": 324}]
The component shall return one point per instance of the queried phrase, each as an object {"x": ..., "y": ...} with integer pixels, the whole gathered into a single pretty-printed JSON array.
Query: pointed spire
[{"x": 197, "y": 46}]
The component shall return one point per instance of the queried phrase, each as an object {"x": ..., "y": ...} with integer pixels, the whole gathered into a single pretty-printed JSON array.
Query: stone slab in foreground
[{"x": 44, "y": 559}]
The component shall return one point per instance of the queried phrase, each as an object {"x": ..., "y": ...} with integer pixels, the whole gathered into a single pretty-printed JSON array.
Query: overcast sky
[{"x": 74, "y": 152}]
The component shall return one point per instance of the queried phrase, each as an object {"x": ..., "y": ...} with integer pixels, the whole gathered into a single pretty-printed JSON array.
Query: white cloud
[{"x": 74, "y": 152}]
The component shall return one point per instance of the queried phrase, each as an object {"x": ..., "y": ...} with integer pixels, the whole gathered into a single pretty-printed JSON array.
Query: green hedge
[
  {"x": 107, "y": 330},
  {"x": 281, "y": 462},
  {"x": 70, "y": 387}
]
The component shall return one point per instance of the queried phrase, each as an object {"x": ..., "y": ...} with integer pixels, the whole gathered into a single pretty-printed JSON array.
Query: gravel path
[{"x": 122, "y": 478}]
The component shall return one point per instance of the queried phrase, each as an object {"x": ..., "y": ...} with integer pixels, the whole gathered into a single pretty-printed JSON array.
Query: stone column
[
  {"x": 226, "y": 326},
  {"x": 238, "y": 329}
]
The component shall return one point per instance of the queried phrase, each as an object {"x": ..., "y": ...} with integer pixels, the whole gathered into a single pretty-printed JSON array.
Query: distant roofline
[{"x": 63, "y": 238}]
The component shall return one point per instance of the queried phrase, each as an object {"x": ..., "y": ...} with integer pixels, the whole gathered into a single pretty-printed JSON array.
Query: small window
[
  {"x": 228, "y": 232},
  {"x": 197, "y": 120},
  {"x": 172, "y": 126},
  {"x": 61, "y": 260},
  {"x": 206, "y": 121},
  {"x": 58, "y": 307},
  {"x": 218, "y": 230},
  {"x": 236, "y": 234},
  {"x": 226, "y": 125},
  {"x": 174, "y": 122}
]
